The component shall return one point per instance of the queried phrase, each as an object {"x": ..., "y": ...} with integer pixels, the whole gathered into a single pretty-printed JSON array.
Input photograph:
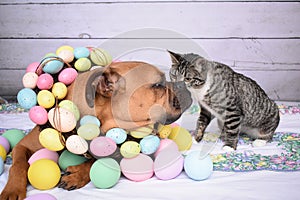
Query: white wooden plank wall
[{"x": 258, "y": 38}]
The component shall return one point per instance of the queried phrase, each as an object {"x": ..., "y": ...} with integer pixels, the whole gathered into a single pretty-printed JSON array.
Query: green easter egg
[
  {"x": 105, "y": 173},
  {"x": 13, "y": 136},
  {"x": 67, "y": 159}
]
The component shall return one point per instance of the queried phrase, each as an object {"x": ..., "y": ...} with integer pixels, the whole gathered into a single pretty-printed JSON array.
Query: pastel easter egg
[
  {"x": 81, "y": 52},
  {"x": 61, "y": 119},
  {"x": 3, "y": 153},
  {"x": 32, "y": 67},
  {"x": 77, "y": 144},
  {"x": 52, "y": 139},
  {"x": 14, "y": 136},
  {"x": 70, "y": 106},
  {"x": 39, "y": 196},
  {"x": 30, "y": 80},
  {"x": 67, "y": 159},
  {"x": 102, "y": 146},
  {"x": 89, "y": 119},
  {"x": 142, "y": 131},
  {"x": 130, "y": 149},
  {"x": 45, "y": 99},
  {"x": 27, "y": 98},
  {"x": 181, "y": 137},
  {"x": 52, "y": 65},
  {"x": 168, "y": 164},
  {"x": 5, "y": 143},
  {"x": 83, "y": 64},
  {"x": 67, "y": 76},
  {"x": 166, "y": 144},
  {"x": 198, "y": 168},
  {"x": 43, "y": 154},
  {"x": 164, "y": 131},
  {"x": 139, "y": 168},
  {"x": 43, "y": 174},
  {"x": 88, "y": 131},
  {"x": 100, "y": 57},
  {"x": 59, "y": 90},
  {"x": 64, "y": 47},
  {"x": 117, "y": 134},
  {"x": 66, "y": 55},
  {"x": 38, "y": 115},
  {"x": 149, "y": 144},
  {"x": 1, "y": 165},
  {"x": 105, "y": 173},
  {"x": 45, "y": 82}
]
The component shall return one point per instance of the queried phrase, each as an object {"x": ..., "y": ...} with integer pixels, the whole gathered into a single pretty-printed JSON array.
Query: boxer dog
[{"x": 125, "y": 94}]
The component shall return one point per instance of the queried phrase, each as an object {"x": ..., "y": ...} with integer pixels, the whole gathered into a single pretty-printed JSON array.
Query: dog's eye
[{"x": 158, "y": 85}]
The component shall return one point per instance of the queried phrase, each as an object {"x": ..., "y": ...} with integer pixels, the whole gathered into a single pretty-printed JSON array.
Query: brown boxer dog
[{"x": 125, "y": 94}]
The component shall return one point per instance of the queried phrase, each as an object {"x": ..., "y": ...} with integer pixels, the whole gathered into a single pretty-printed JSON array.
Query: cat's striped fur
[{"x": 237, "y": 101}]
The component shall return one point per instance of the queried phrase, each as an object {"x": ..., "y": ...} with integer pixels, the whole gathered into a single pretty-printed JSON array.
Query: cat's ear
[{"x": 174, "y": 57}]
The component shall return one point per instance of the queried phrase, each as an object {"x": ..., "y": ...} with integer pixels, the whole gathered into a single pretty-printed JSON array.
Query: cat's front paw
[
  {"x": 198, "y": 136},
  {"x": 259, "y": 143},
  {"x": 227, "y": 148}
]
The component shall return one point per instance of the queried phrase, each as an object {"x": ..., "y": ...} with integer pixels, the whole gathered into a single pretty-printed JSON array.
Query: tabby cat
[{"x": 238, "y": 102}]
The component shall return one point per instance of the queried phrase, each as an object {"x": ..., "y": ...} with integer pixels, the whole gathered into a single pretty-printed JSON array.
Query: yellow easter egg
[
  {"x": 51, "y": 139},
  {"x": 83, "y": 64},
  {"x": 142, "y": 131},
  {"x": 45, "y": 99},
  {"x": 181, "y": 137},
  {"x": 65, "y": 47},
  {"x": 164, "y": 131},
  {"x": 62, "y": 119},
  {"x": 130, "y": 149},
  {"x": 3, "y": 153},
  {"x": 59, "y": 90},
  {"x": 44, "y": 174}
]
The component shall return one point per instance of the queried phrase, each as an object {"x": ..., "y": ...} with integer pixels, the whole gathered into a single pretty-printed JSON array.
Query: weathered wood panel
[{"x": 195, "y": 20}]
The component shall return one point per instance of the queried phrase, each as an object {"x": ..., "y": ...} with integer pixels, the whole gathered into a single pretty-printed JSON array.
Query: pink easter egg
[
  {"x": 5, "y": 143},
  {"x": 67, "y": 76},
  {"x": 166, "y": 144},
  {"x": 102, "y": 146},
  {"x": 45, "y": 82},
  {"x": 38, "y": 115},
  {"x": 168, "y": 164},
  {"x": 43, "y": 154},
  {"x": 139, "y": 168},
  {"x": 39, "y": 196},
  {"x": 32, "y": 67}
]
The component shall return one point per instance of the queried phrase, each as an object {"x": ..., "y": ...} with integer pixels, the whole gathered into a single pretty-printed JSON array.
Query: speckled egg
[
  {"x": 62, "y": 119},
  {"x": 30, "y": 80}
]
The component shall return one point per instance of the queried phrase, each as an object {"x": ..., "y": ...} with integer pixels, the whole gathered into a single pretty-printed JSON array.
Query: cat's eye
[{"x": 187, "y": 79}]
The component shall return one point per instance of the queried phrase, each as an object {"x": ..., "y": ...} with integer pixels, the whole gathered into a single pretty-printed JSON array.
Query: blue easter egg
[
  {"x": 117, "y": 134},
  {"x": 149, "y": 144},
  {"x": 81, "y": 52},
  {"x": 1, "y": 165},
  {"x": 27, "y": 98},
  {"x": 89, "y": 119},
  {"x": 52, "y": 65},
  {"x": 198, "y": 168}
]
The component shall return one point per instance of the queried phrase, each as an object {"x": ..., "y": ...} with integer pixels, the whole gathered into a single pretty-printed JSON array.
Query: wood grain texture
[
  {"x": 195, "y": 20},
  {"x": 257, "y": 38}
]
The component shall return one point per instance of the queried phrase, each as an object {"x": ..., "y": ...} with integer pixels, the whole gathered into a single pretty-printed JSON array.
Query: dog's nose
[{"x": 179, "y": 85}]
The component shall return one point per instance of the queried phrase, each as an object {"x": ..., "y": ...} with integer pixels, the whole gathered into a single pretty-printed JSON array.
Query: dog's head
[{"x": 134, "y": 94}]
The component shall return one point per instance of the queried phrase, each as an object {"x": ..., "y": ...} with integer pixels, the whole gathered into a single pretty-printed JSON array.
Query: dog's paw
[
  {"x": 75, "y": 177},
  {"x": 12, "y": 193},
  {"x": 227, "y": 148},
  {"x": 259, "y": 143}
]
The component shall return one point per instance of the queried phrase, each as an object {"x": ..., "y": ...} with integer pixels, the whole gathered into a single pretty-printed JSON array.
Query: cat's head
[{"x": 190, "y": 68}]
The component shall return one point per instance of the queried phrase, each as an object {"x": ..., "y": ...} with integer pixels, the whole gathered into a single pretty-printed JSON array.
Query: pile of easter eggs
[{"x": 137, "y": 154}]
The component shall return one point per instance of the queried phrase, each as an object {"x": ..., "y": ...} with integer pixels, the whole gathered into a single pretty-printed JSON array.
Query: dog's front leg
[{"x": 17, "y": 180}]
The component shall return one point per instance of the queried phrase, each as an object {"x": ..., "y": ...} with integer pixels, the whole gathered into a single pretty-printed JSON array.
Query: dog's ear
[{"x": 110, "y": 83}]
